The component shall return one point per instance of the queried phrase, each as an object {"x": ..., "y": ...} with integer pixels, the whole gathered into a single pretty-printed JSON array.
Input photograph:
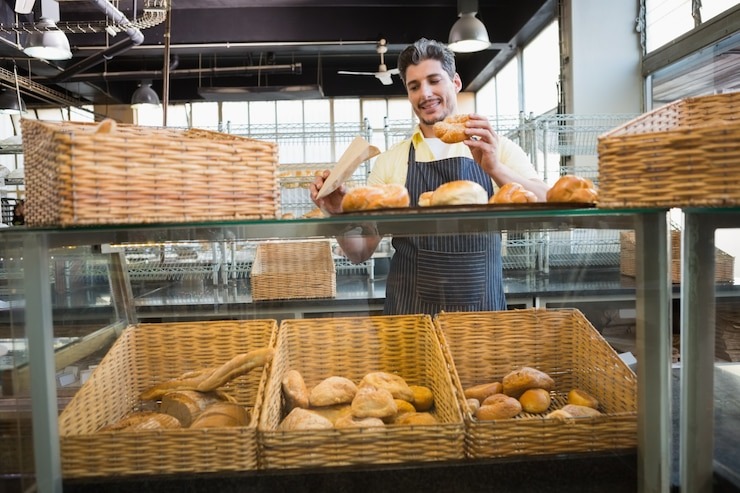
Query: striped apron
[{"x": 459, "y": 272}]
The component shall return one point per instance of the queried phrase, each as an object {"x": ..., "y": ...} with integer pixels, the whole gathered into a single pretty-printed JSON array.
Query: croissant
[
  {"x": 571, "y": 188},
  {"x": 451, "y": 129},
  {"x": 512, "y": 193}
]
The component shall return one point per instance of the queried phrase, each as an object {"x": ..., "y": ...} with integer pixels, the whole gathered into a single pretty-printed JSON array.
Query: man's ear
[{"x": 458, "y": 82}]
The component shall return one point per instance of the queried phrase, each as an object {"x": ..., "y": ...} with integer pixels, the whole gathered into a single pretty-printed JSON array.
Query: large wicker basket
[
  {"x": 485, "y": 346},
  {"x": 724, "y": 266},
  {"x": 146, "y": 354},
  {"x": 293, "y": 270},
  {"x": 75, "y": 175},
  {"x": 683, "y": 154},
  {"x": 352, "y": 347}
]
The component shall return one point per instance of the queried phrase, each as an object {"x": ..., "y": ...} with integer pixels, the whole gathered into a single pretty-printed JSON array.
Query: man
[{"x": 430, "y": 274}]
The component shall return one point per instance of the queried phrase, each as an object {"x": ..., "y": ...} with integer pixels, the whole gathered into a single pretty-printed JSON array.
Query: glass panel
[
  {"x": 507, "y": 90},
  {"x": 666, "y": 20},
  {"x": 541, "y": 67}
]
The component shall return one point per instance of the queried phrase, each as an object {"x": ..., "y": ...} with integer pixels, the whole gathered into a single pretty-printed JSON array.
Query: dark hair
[{"x": 426, "y": 49}]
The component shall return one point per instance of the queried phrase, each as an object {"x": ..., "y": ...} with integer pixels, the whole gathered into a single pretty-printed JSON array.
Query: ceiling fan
[{"x": 383, "y": 74}]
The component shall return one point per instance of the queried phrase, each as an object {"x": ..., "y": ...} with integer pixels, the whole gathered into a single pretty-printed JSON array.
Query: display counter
[{"x": 28, "y": 251}]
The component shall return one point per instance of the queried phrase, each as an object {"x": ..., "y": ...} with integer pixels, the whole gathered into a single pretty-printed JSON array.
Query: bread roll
[
  {"x": 517, "y": 381},
  {"x": 451, "y": 129},
  {"x": 303, "y": 419},
  {"x": 571, "y": 188},
  {"x": 332, "y": 413},
  {"x": 404, "y": 406},
  {"x": 331, "y": 391},
  {"x": 423, "y": 418},
  {"x": 222, "y": 414},
  {"x": 498, "y": 406},
  {"x": 459, "y": 192},
  {"x": 294, "y": 390},
  {"x": 582, "y": 398},
  {"x": 481, "y": 391},
  {"x": 473, "y": 404},
  {"x": 349, "y": 421},
  {"x": 369, "y": 197},
  {"x": 425, "y": 199},
  {"x": 580, "y": 411},
  {"x": 371, "y": 402},
  {"x": 395, "y": 384},
  {"x": 423, "y": 397},
  {"x": 535, "y": 400},
  {"x": 513, "y": 193}
]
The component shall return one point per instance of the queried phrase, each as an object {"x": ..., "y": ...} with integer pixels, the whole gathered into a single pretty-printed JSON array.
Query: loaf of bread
[
  {"x": 303, "y": 419},
  {"x": 370, "y": 197},
  {"x": 222, "y": 414},
  {"x": 144, "y": 421},
  {"x": 423, "y": 418},
  {"x": 582, "y": 398},
  {"x": 404, "y": 406},
  {"x": 333, "y": 413},
  {"x": 451, "y": 129},
  {"x": 349, "y": 421},
  {"x": 425, "y": 199},
  {"x": 186, "y": 405},
  {"x": 535, "y": 400},
  {"x": 393, "y": 383},
  {"x": 294, "y": 389},
  {"x": 331, "y": 391},
  {"x": 498, "y": 406},
  {"x": 571, "y": 188},
  {"x": 372, "y": 402},
  {"x": 513, "y": 193},
  {"x": 571, "y": 411},
  {"x": 483, "y": 390},
  {"x": 459, "y": 192},
  {"x": 517, "y": 381}
]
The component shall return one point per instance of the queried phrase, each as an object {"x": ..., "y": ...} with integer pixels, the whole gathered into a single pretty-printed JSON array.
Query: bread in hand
[{"x": 452, "y": 129}]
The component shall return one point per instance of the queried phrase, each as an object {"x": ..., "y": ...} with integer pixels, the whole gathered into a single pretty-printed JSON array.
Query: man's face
[{"x": 431, "y": 91}]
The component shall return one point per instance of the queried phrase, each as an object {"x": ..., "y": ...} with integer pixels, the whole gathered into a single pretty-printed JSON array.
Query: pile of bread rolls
[
  {"x": 379, "y": 399},
  {"x": 526, "y": 390},
  {"x": 194, "y": 399}
]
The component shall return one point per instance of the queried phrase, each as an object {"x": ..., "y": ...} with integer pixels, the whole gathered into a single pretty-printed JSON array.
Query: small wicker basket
[
  {"x": 352, "y": 347},
  {"x": 147, "y": 354},
  {"x": 293, "y": 270},
  {"x": 724, "y": 266},
  {"x": 683, "y": 154},
  {"x": 77, "y": 175},
  {"x": 485, "y": 346}
]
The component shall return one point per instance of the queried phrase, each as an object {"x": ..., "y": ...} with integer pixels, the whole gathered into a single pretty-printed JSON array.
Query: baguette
[{"x": 236, "y": 366}]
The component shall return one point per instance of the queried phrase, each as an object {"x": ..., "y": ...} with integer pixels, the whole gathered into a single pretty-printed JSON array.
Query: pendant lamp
[
  {"x": 468, "y": 34},
  {"x": 144, "y": 95},
  {"x": 48, "y": 42},
  {"x": 11, "y": 103}
]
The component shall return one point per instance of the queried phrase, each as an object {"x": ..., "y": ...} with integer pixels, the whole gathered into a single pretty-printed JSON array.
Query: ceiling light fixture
[
  {"x": 11, "y": 103},
  {"x": 144, "y": 95},
  {"x": 48, "y": 42},
  {"x": 468, "y": 34}
]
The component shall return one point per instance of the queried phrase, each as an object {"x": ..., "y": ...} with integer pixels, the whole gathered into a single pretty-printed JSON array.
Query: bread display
[
  {"x": 517, "y": 381},
  {"x": 571, "y": 188},
  {"x": 457, "y": 192},
  {"x": 513, "y": 193},
  {"x": 452, "y": 129},
  {"x": 369, "y": 197}
]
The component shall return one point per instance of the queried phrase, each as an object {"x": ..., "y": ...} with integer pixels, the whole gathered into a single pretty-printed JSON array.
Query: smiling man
[{"x": 430, "y": 274}]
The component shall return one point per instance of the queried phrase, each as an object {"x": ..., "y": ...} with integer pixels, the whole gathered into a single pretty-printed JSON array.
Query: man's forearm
[{"x": 359, "y": 243}]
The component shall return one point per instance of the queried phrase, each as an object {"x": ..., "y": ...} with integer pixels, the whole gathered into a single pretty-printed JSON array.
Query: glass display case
[{"x": 36, "y": 260}]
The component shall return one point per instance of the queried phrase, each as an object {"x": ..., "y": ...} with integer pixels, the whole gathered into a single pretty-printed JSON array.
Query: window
[{"x": 541, "y": 69}]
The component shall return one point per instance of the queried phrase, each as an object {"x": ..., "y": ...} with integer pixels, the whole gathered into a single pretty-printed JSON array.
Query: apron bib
[{"x": 430, "y": 274}]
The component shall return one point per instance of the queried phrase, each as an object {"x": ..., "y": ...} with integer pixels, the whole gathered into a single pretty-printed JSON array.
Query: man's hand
[
  {"x": 483, "y": 143},
  {"x": 332, "y": 203}
]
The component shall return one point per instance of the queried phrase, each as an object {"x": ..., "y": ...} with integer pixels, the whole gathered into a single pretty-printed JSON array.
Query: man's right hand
[{"x": 332, "y": 203}]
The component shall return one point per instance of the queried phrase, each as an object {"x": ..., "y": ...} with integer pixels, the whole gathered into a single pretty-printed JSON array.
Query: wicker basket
[
  {"x": 684, "y": 154},
  {"x": 724, "y": 266},
  {"x": 293, "y": 269},
  {"x": 485, "y": 346},
  {"x": 77, "y": 176},
  {"x": 352, "y": 347},
  {"x": 144, "y": 355}
]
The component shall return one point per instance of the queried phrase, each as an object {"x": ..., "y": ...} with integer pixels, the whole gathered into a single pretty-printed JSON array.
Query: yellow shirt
[{"x": 392, "y": 165}]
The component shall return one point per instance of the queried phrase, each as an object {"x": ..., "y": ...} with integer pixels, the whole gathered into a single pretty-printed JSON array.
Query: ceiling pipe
[
  {"x": 135, "y": 38},
  {"x": 291, "y": 68}
]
